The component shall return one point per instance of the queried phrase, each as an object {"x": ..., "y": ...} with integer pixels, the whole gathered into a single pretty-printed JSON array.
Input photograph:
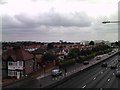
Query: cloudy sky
[{"x": 54, "y": 20}]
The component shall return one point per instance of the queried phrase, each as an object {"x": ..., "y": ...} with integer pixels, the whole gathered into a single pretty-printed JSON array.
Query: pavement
[{"x": 46, "y": 79}]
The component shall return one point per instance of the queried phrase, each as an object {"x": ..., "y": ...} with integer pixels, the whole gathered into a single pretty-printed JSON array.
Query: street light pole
[{"x": 110, "y": 22}]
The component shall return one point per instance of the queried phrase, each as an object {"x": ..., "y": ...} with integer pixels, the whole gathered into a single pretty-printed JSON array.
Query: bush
[{"x": 67, "y": 62}]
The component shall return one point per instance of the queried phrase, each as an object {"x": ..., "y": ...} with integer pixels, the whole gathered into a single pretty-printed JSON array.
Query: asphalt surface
[
  {"x": 87, "y": 78},
  {"x": 96, "y": 77}
]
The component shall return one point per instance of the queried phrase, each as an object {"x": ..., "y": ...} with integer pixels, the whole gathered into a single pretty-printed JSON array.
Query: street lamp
[{"x": 104, "y": 22}]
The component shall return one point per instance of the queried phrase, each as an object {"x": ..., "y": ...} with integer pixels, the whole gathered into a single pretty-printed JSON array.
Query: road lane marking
[
  {"x": 94, "y": 78},
  {"x": 113, "y": 73},
  {"x": 100, "y": 88},
  {"x": 108, "y": 80},
  {"x": 84, "y": 86},
  {"x": 101, "y": 72}
]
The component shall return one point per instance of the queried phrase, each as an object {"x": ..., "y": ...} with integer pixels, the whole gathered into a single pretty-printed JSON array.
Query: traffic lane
[
  {"x": 116, "y": 81},
  {"x": 70, "y": 83},
  {"x": 103, "y": 80}
]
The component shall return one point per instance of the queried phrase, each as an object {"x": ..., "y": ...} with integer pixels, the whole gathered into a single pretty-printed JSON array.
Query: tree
[
  {"x": 50, "y": 46},
  {"x": 48, "y": 57},
  {"x": 75, "y": 52},
  {"x": 116, "y": 43},
  {"x": 91, "y": 43}
]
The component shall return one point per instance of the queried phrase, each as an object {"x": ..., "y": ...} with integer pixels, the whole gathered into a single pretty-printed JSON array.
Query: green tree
[
  {"x": 48, "y": 57},
  {"x": 50, "y": 46},
  {"x": 75, "y": 52},
  {"x": 91, "y": 43}
]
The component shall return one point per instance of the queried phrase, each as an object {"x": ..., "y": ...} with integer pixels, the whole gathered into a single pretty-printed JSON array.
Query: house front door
[{"x": 18, "y": 75}]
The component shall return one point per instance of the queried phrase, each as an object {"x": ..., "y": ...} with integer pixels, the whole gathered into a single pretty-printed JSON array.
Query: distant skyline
[{"x": 54, "y": 20}]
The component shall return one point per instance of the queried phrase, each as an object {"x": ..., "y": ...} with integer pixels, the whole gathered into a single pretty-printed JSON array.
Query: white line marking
[
  {"x": 101, "y": 72},
  {"x": 108, "y": 80},
  {"x": 84, "y": 86},
  {"x": 113, "y": 73},
  {"x": 94, "y": 78},
  {"x": 100, "y": 88}
]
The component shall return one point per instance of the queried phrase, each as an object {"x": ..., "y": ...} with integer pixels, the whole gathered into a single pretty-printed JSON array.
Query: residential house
[
  {"x": 38, "y": 57},
  {"x": 18, "y": 62}
]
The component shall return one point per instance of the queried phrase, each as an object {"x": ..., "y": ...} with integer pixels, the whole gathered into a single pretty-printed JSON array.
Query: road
[
  {"x": 95, "y": 77},
  {"x": 82, "y": 78}
]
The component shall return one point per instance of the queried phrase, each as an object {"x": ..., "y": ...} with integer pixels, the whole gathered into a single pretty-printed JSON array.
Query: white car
[{"x": 56, "y": 72}]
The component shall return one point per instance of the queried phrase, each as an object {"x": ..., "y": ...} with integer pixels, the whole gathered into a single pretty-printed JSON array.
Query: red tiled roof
[{"x": 17, "y": 55}]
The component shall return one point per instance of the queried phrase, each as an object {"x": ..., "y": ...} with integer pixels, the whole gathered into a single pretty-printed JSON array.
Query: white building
[{"x": 84, "y": 43}]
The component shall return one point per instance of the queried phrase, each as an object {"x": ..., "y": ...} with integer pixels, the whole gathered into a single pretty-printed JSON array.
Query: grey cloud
[
  {"x": 10, "y": 22},
  {"x": 2, "y": 2},
  {"x": 48, "y": 19}
]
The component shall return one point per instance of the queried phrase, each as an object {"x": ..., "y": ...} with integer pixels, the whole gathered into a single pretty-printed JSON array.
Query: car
[
  {"x": 113, "y": 66},
  {"x": 118, "y": 60},
  {"x": 104, "y": 64},
  {"x": 56, "y": 72},
  {"x": 98, "y": 57},
  {"x": 109, "y": 53},
  {"x": 86, "y": 62},
  {"x": 112, "y": 51},
  {"x": 118, "y": 74}
]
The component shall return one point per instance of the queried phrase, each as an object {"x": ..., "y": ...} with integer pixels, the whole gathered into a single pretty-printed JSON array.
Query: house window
[
  {"x": 20, "y": 63},
  {"x": 10, "y": 63},
  {"x": 10, "y": 73}
]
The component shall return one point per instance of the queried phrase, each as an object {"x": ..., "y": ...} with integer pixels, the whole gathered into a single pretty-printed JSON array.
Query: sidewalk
[{"x": 40, "y": 72}]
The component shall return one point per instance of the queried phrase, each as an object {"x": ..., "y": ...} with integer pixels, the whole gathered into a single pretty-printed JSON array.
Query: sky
[{"x": 54, "y": 20}]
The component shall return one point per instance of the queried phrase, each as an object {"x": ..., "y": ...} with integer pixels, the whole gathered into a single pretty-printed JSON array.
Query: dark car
[
  {"x": 109, "y": 53},
  {"x": 113, "y": 66},
  {"x": 104, "y": 64},
  {"x": 118, "y": 74},
  {"x": 86, "y": 62},
  {"x": 118, "y": 60}
]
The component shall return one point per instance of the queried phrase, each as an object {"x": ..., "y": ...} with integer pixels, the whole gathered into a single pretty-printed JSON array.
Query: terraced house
[{"x": 18, "y": 62}]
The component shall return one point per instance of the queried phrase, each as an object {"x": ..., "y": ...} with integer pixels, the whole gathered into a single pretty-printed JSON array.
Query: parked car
[
  {"x": 86, "y": 62},
  {"x": 98, "y": 57},
  {"x": 118, "y": 74},
  {"x": 112, "y": 51},
  {"x": 113, "y": 66},
  {"x": 104, "y": 64},
  {"x": 56, "y": 72},
  {"x": 109, "y": 53}
]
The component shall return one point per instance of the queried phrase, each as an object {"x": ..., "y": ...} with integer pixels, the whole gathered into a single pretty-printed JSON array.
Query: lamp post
[{"x": 104, "y": 22}]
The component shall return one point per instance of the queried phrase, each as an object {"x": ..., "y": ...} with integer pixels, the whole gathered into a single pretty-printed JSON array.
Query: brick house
[{"x": 18, "y": 62}]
